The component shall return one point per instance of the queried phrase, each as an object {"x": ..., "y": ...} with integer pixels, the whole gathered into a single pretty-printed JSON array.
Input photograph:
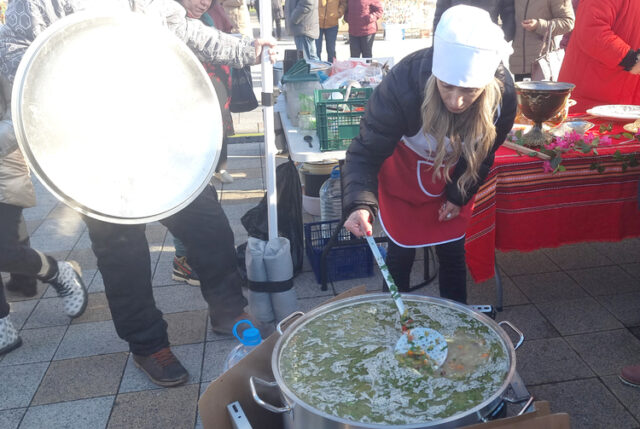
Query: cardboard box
[{"x": 233, "y": 385}]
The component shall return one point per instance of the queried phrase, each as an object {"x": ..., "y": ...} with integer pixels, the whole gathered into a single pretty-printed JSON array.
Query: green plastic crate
[{"x": 338, "y": 121}]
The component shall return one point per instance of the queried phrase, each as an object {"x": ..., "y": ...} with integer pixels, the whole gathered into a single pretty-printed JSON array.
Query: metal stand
[{"x": 498, "y": 285}]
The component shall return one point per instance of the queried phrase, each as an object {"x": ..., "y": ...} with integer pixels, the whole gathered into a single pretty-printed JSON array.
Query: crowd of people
[{"x": 425, "y": 113}]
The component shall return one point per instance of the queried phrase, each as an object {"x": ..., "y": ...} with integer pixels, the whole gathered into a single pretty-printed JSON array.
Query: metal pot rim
[{"x": 295, "y": 325}]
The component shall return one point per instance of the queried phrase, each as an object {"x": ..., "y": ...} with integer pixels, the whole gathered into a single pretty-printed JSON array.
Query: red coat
[
  {"x": 362, "y": 16},
  {"x": 605, "y": 31}
]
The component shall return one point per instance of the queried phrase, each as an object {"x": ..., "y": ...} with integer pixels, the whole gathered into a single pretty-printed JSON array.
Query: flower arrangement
[{"x": 587, "y": 143}]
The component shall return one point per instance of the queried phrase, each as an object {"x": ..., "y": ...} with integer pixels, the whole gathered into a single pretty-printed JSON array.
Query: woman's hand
[
  {"x": 447, "y": 211},
  {"x": 358, "y": 223},
  {"x": 260, "y": 44},
  {"x": 530, "y": 24}
]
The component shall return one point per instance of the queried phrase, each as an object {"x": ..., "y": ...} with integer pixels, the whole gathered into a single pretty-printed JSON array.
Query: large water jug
[
  {"x": 249, "y": 340},
  {"x": 331, "y": 200}
]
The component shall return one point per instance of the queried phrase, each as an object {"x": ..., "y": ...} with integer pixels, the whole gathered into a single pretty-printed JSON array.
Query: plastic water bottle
[
  {"x": 331, "y": 201},
  {"x": 249, "y": 340}
]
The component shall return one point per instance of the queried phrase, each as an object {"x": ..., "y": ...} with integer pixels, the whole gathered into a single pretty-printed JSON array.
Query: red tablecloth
[{"x": 520, "y": 207}]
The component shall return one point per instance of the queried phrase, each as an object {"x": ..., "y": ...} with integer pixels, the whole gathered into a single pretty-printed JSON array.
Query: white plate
[{"x": 616, "y": 111}]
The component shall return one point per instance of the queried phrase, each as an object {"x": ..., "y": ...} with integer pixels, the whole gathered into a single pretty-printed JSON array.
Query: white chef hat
[{"x": 467, "y": 47}]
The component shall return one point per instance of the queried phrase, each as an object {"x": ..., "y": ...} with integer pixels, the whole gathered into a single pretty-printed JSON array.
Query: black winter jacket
[
  {"x": 393, "y": 111},
  {"x": 505, "y": 9}
]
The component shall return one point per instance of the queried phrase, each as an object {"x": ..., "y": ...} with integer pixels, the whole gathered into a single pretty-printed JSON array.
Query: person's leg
[
  {"x": 354, "y": 46},
  {"x": 367, "y": 47},
  {"x": 330, "y": 36},
  {"x": 278, "y": 28},
  {"x": 26, "y": 285},
  {"x": 399, "y": 262},
  {"x": 4, "y": 305},
  {"x": 307, "y": 45},
  {"x": 452, "y": 275},
  {"x": 205, "y": 231},
  {"x": 319, "y": 43},
  {"x": 123, "y": 259}
]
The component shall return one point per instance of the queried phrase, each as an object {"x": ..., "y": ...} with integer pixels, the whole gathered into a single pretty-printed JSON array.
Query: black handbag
[{"x": 242, "y": 97}]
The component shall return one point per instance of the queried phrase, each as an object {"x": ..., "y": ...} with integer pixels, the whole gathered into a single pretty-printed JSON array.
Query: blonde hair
[{"x": 474, "y": 127}]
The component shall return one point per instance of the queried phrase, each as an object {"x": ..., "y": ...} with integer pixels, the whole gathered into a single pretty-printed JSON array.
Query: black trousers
[
  {"x": 361, "y": 46},
  {"x": 123, "y": 258},
  {"x": 452, "y": 275},
  {"x": 16, "y": 255}
]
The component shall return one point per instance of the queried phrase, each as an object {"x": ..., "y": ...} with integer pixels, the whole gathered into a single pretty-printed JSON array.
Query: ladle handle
[{"x": 387, "y": 275}]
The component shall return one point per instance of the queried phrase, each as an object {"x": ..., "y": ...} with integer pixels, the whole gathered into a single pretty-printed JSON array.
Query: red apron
[{"x": 409, "y": 201}]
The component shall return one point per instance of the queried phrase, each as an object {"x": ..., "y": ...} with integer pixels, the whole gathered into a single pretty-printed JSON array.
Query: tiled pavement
[{"x": 578, "y": 305}]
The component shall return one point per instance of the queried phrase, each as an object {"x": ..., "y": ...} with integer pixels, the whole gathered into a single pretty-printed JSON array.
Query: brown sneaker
[
  {"x": 162, "y": 367},
  {"x": 630, "y": 375}
]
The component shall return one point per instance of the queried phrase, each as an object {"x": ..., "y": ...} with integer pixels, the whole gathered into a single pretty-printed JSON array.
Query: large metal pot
[
  {"x": 116, "y": 116},
  {"x": 299, "y": 414}
]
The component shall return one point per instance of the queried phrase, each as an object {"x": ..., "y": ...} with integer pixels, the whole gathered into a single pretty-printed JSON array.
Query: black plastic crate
[{"x": 343, "y": 262}]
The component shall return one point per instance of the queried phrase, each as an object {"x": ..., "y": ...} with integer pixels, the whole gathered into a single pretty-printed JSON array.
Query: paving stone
[
  {"x": 20, "y": 311},
  {"x": 203, "y": 388},
  {"x": 589, "y": 404},
  {"x": 87, "y": 413},
  {"x": 53, "y": 242},
  {"x": 306, "y": 286},
  {"x": 155, "y": 233},
  {"x": 81, "y": 378},
  {"x": 163, "y": 408},
  {"x": 576, "y": 316},
  {"x": 162, "y": 274},
  {"x": 48, "y": 312},
  {"x": 549, "y": 360},
  {"x": 622, "y": 252},
  {"x": 529, "y": 320},
  {"x": 307, "y": 304},
  {"x": 633, "y": 269},
  {"x": 84, "y": 257},
  {"x": 485, "y": 292},
  {"x": 187, "y": 327},
  {"x": 215, "y": 354},
  {"x": 72, "y": 226},
  {"x": 549, "y": 287},
  {"x": 625, "y": 307},
  {"x": 518, "y": 263},
  {"x": 38, "y": 345},
  {"x": 607, "y": 280},
  {"x": 175, "y": 299},
  {"x": 635, "y": 332},
  {"x": 246, "y": 181},
  {"x": 19, "y": 383},
  {"x": 189, "y": 355},
  {"x": 607, "y": 352},
  {"x": 88, "y": 339},
  {"x": 97, "y": 309},
  {"x": 39, "y": 212},
  {"x": 97, "y": 283},
  {"x": 10, "y": 419},
  {"x": 581, "y": 255},
  {"x": 626, "y": 394}
]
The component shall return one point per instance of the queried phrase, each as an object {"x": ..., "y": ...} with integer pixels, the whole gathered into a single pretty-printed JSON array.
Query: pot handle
[
  {"x": 252, "y": 382},
  {"x": 516, "y": 330},
  {"x": 287, "y": 320}
]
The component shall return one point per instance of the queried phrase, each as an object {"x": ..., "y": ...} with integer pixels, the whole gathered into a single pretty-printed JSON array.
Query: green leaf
[
  {"x": 600, "y": 169},
  {"x": 595, "y": 151},
  {"x": 616, "y": 136},
  {"x": 633, "y": 162},
  {"x": 593, "y": 166},
  {"x": 519, "y": 134},
  {"x": 561, "y": 168},
  {"x": 628, "y": 135},
  {"x": 624, "y": 167},
  {"x": 555, "y": 162}
]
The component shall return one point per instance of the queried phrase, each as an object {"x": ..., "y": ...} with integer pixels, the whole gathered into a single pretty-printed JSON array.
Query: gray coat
[
  {"x": 26, "y": 19},
  {"x": 301, "y": 18}
]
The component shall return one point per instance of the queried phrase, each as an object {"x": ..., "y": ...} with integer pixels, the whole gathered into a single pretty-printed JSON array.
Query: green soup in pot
[{"x": 342, "y": 362}]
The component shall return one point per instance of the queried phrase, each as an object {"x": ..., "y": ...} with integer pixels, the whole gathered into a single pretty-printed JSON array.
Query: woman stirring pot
[{"x": 427, "y": 142}]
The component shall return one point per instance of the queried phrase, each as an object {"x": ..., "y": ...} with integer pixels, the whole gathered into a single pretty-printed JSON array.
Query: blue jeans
[
  {"x": 330, "y": 36},
  {"x": 307, "y": 45}
]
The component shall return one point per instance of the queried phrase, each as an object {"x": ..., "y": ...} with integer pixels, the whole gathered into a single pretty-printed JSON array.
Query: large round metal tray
[{"x": 117, "y": 117}]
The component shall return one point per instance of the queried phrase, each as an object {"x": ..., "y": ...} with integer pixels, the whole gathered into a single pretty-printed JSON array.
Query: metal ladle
[{"x": 423, "y": 339}]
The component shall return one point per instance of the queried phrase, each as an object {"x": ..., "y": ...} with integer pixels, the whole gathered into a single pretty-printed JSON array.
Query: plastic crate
[
  {"x": 338, "y": 121},
  {"x": 343, "y": 262}
]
